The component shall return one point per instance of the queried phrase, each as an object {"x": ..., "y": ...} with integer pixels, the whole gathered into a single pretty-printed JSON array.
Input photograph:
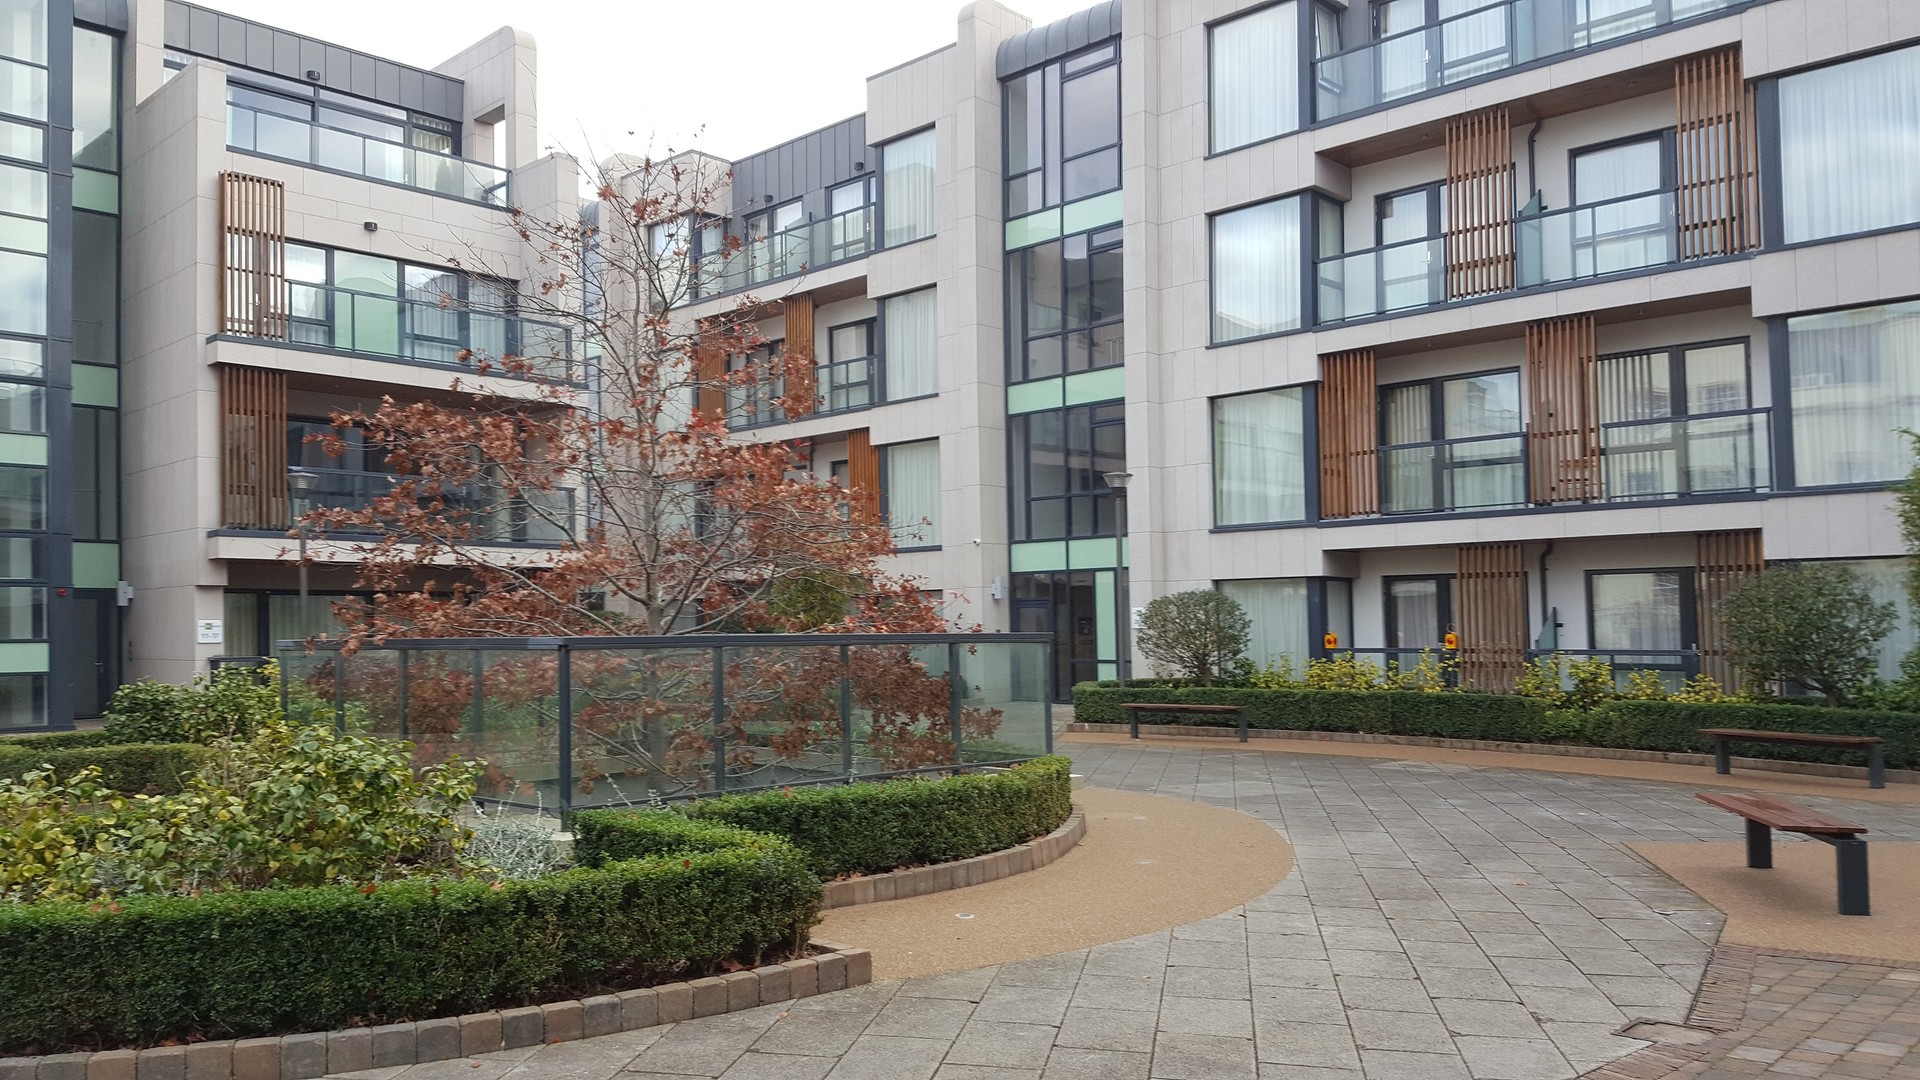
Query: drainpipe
[
  {"x": 1533, "y": 177},
  {"x": 1546, "y": 609}
]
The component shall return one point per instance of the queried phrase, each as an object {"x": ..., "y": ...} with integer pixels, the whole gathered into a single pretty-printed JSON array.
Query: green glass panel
[
  {"x": 1035, "y": 396},
  {"x": 1090, "y": 554},
  {"x": 96, "y": 385},
  {"x": 93, "y": 190},
  {"x": 1107, "y": 384},
  {"x": 1033, "y": 229},
  {"x": 96, "y": 566},
  {"x": 21, "y": 656},
  {"x": 1091, "y": 213},
  {"x": 1042, "y": 555},
  {"x": 1103, "y": 614},
  {"x": 23, "y": 449}
]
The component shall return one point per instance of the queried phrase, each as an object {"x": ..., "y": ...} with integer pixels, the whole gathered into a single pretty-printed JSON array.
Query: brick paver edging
[
  {"x": 941, "y": 877},
  {"x": 319, "y": 1053},
  {"x": 1663, "y": 757}
]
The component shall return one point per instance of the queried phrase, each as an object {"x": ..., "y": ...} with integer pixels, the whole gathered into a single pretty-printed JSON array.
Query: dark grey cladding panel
[
  {"x": 111, "y": 14},
  {"x": 1058, "y": 38},
  {"x": 259, "y": 47},
  {"x": 804, "y": 168}
]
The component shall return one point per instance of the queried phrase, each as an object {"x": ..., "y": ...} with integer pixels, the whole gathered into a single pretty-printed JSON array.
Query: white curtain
[
  {"x": 1638, "y": 610},
  {"x": 912, "y": 346},
  {"x": 1256, "y": 270},
  {"x": 1885, "y": 580},
  {"x": 1256, "y": 88},
  {"x": 1850, "y": 146},
  {"x": 906, "y": 188},
  {"x": 913, "y": 493},
  {"x": 1259, "y": 458},
  {"x": 1855, "y": 383},
  {"x": 1277, "y": 608},
  {"x": 1473, "y": 44}
]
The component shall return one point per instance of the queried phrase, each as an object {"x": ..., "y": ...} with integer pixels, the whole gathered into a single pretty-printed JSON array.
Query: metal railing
[
  {"x": 1486, "y": 473},
  {"x": 809, "y": 246},
  {"x": 1481, "y": 42},
  {"x": 425, "y": 332},
  {"x": 570, "y": 723},
  {"x": 273, "y": 135},
  {"x": 1674, "y": 666},
  {"x": 1678, "y": 456},
  {"x": 1396, "y": 277},
  {"x": 1597, "y": 239},
  {"x": 532, "y": 517}
]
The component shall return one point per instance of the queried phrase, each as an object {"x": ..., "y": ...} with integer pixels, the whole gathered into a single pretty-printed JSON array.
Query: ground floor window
[
  {"x": 1642, "y": 619},
  {"x": 255, "y": 620},
  {"x": 1419, "y": 614}
]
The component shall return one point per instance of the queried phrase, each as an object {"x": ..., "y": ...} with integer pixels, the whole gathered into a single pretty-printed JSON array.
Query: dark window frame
[
  {"x": 764, "y": 409},
  {"x": 1689, "y": 613},
  {"x": 826, "y": 371},
  {"x": 1054, "y": 161},
  {"x": 1106, "y": 240},
  {"x": 1097, "y": 494},
  {"x": 1441, "y": 465},
  {"x": 1390, "y": 624}
]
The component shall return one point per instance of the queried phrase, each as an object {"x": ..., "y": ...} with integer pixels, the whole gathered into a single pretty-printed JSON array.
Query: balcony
[
  {"x": 1485, "y": 41},
  {"x": 810, "y": 246},
  {"x": 536, "y": 517},
  {"x": 393, "y": 328},
  {"x": 1466, "y": 474},
  {"x": 268, "y": 134},
  {"x": 1686, "y": 456},
  {"x": 1382, "y": 280}
]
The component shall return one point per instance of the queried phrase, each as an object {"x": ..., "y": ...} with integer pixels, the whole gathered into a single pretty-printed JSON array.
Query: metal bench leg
[
  {"x": 1876, "y": 767},
  {"x": 1759, "y": 846},
  {"x": 1243, "y": 725},
  {"x": 1850, "y": 858},
  {"x": 1722, "y": 757},
  {"x": 1133, "y": 721}
]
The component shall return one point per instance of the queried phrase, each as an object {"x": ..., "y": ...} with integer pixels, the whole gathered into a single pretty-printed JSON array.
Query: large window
[
  {"x": 845, "y": 381},
  {"x": 1060, "y": 460},
  {"x": 96, "y": 469},
  {"x": 1853, "y": 386},
  {"x": 755, "y": 400},
  {"x": 1063, "y": 130},
  {"x": 1453, "y": 444},
  {"x": 1419, "y": 612},
  {"x": 1259, "y": 457},
  {"x": 1257, "y": 269},
  {"x": 1277, "y": 609},
  {"x": 906, "y": 188},
  {"x": 362, "y": 303},
  {"x": 1625, "y": 188},
  {"x": 1850, "y": 147},
  {"x": 912, "y": 347},
  {"x": 913, "y": 493},
  {"x": 1068, "y": 301},
  {"x": 1677, "y": 422},
  {"x": 1254, "y": 86},
  {"x": 1639, "y": 610}
]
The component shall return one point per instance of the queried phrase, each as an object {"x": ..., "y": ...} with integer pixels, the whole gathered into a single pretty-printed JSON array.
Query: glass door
[
  {"x": 1419, "y": 614},
  {"x": 94, "y": 666}
]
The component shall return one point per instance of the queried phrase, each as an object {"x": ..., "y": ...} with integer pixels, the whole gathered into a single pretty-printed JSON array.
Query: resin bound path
[{"x": 1442, "y": 922}]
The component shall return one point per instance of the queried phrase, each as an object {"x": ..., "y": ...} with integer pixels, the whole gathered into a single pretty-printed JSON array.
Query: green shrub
[
  {"x": 153, "y": 769},
  {"x": 1673, "y": 726},
  {"x": 59, "y": 740},
  {"x": 1461, "y": 715},
  {"x": 241, "y": 964},
  {"x": 232, "y": 702},
  {"x": 859, "y": 828},
  {"x": 1197, "y": 634},
  {"x": 604, "y": 836}
]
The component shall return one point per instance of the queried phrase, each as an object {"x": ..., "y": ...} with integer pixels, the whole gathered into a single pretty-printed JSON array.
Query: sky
[{"x": 730, "y": 77}]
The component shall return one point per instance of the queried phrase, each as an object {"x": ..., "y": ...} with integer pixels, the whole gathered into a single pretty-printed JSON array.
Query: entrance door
[
  {"x": 1066, "y": 602},
  {"x": 94, "y": 667},
  {"x": 1031, "y": 681}
]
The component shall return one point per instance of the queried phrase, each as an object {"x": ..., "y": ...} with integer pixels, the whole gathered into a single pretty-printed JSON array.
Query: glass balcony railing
[
  {"x": 425, "y": 332},
  {"x": 534, "y": 517},
  {"x": 273, "y": 135},
  {"x": 1671, "y": 458},
  {"x": 1487, "y": 39},
  {"x": 844, "y": 236},
  {"x": 1592, "y": 241},
  {"x": 1379, "y": 280},
  {"x": 1467, "y": 474}
]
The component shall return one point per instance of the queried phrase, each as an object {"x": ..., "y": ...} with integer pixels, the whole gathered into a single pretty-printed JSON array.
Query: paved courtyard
[{"x": 1443, "y": 922}]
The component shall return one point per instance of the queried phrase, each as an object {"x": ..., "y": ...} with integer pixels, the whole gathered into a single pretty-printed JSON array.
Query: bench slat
[
  {"x": 1780, "y": 814},
  {"x": 1147, "y": 706},
  {"x": 1804, "y": 738}
]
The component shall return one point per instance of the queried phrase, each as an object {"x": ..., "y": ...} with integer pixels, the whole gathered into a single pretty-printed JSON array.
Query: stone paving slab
[{"x": 1442, "y": 922}]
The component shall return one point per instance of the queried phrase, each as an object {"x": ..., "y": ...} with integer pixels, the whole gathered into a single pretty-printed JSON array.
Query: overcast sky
[{"x": 729, "y": 76}]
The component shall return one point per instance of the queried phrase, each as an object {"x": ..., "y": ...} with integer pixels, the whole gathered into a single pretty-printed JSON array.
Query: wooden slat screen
[
  {"x": 801, "y": 382},
  {"x": 1491, "y": 597},
  {"x": 863, "y": 473},
  {"x": 1717, "y": 159},
  {"x": 1349, "y": 436},
  {"x": 253, "y": 256},
  {"x": 253, "y": 448},
  {"x": 1479, "y": 225},
  {"x": 1721, "y": 561},
  {"x": 1563, "y": 459},
  {"x": 709, "y": 373}
]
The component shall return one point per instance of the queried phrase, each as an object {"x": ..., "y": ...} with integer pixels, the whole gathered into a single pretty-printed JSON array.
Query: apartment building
[
  {"x": 1490, "y": 326},
  {"x": 216, "y": 233}
]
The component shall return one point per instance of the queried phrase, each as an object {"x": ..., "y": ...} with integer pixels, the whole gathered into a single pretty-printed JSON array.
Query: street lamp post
[
  {"x": 299, "y": 482},
  {"x": 1117, "y": 480}
]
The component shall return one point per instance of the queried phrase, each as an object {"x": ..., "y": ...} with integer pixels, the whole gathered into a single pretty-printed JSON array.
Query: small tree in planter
[
  {"x": 1810, "y": 623},
  {"x": 1197, "y": 634}
]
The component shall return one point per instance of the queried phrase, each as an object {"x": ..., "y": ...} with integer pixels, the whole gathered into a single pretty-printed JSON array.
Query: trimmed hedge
[
  {"x": 1374, "y": 712},
  {"x": 868, "y": 828},
  {"x": 153, "y": 769},
  {"x": 259, "y": 963},
  {"x": 1668, "y": 726},
  {"x": 61, "y": 740}
]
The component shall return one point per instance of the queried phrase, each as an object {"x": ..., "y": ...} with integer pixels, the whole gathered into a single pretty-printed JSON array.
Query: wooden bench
[
  {"x": 1765, "y": 813},
  {"x": 1135, "y": 708},
  {"x": 1723, "y": 758}
]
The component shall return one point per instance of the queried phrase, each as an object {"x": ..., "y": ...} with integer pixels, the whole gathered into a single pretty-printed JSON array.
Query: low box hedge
[
  {"x": 1373, "y": 712},
  {"x": 869, "y": 828},
  {"x": 60, "y": 740},
  {"x": 1668, "y": 726},
  {"x": 136, "y": 768},
  {"x": 285, "y": 960}
]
